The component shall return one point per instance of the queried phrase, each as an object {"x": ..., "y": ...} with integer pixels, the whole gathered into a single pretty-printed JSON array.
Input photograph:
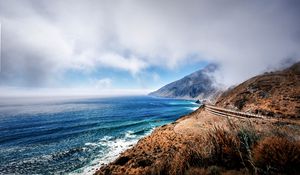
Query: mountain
[
  {"x": 198, "y": 85},
  {"x": 275, "y": 94}
]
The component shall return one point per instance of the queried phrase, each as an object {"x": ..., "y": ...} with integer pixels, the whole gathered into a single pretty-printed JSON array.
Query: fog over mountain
[{"x": 198, "y": 85}]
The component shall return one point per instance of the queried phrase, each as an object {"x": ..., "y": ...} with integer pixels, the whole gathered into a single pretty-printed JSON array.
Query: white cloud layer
[
  {"x": 41, "y": 39},
  {"x": 104, "y": 83},
  {"x": 68, "y": 92}
]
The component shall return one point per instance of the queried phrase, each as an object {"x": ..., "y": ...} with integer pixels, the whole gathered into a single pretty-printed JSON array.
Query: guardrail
[{"x": 227, "y": 112}]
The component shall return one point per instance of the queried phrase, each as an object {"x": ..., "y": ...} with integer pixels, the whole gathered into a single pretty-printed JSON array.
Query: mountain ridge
[{"x": 197, "y": 85}]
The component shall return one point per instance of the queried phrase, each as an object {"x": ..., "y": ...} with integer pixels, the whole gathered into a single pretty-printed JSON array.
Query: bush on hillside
[{"x": 277, "y": 155}]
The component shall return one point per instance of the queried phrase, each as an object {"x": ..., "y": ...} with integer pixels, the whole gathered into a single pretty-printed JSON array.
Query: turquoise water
[{"x": 63, "y": 135}]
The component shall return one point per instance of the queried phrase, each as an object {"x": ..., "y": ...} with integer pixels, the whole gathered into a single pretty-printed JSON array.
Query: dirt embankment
[{"x": 204, "y": 143}]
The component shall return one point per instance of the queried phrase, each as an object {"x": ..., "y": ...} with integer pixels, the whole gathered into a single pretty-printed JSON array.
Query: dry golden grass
[
  {"x": 218, "y": 147},
  {"x": 274, "y": 94},
  {"x": 277, "y": 154},
  {"x": 225, "y": 148}
]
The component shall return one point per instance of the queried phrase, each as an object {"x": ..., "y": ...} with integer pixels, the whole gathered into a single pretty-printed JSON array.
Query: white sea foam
[
  {"x": 130, "y": 134},
  {"x": 90, "y": 144},
  {"x": 113, "y": 148},
  {"x": 192, "y": 102},
  {"x": 194, "y": 108}
]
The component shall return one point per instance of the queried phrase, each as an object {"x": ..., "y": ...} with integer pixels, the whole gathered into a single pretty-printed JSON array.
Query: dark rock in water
[
  {"x": 198, "y": 101},
  {"x": 196, "y": 85}
]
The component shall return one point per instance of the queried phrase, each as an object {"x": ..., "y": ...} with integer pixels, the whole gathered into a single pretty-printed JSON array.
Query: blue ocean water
[{"x": 76, "y": 136}]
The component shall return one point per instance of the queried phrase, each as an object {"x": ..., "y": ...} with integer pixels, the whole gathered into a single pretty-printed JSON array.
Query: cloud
[
  {"x": 131, "y": 64},
  {"x": 68, "y": 92},
  {"x": 104, "y": 83},
  {"x": 43, "y": 39}
]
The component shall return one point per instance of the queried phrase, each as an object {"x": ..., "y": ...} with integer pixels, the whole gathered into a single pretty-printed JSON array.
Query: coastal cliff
[{"x": 208, "y": 143}]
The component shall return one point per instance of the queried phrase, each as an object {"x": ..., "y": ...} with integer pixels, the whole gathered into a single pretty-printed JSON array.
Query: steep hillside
[
  {"x": 275, "y": 94},
  {"x": 198, "y": 85},
  {"x": 205, "y": 143}
]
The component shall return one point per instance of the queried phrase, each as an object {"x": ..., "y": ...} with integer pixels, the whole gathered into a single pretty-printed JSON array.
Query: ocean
[{"x": 77, "y": 135}]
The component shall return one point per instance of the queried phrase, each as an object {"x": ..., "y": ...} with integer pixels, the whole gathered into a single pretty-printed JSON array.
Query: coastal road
[
  {"x": 230, "y": 113},
  {"x": 202, "y": 121}
]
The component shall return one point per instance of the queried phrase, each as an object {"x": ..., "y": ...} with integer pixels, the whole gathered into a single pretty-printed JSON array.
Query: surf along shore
[{"x": 203, "y": 143}]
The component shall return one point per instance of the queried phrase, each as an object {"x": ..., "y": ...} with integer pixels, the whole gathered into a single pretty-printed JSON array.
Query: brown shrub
[
  {"x": 232, "y": 148},
  {"x": 193, "y": 171},
  {"x": 277, "y": 154},
  {"x": 215, "y": 170},
  {"x": 212, "y": 170},
  {"x": 225, "y": 149}
]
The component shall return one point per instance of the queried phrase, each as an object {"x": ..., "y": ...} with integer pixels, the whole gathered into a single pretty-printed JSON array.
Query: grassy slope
[
  {"x": 275, "y": 94},
  {"x": 201, "y": 143}
]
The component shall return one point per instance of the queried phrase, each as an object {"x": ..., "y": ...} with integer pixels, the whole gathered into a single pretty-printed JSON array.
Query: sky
[{"x": 136, "y": 46}]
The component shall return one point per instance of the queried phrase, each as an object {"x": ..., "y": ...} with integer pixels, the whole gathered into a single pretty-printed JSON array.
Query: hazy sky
[{"x": 140, "y": 45}]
